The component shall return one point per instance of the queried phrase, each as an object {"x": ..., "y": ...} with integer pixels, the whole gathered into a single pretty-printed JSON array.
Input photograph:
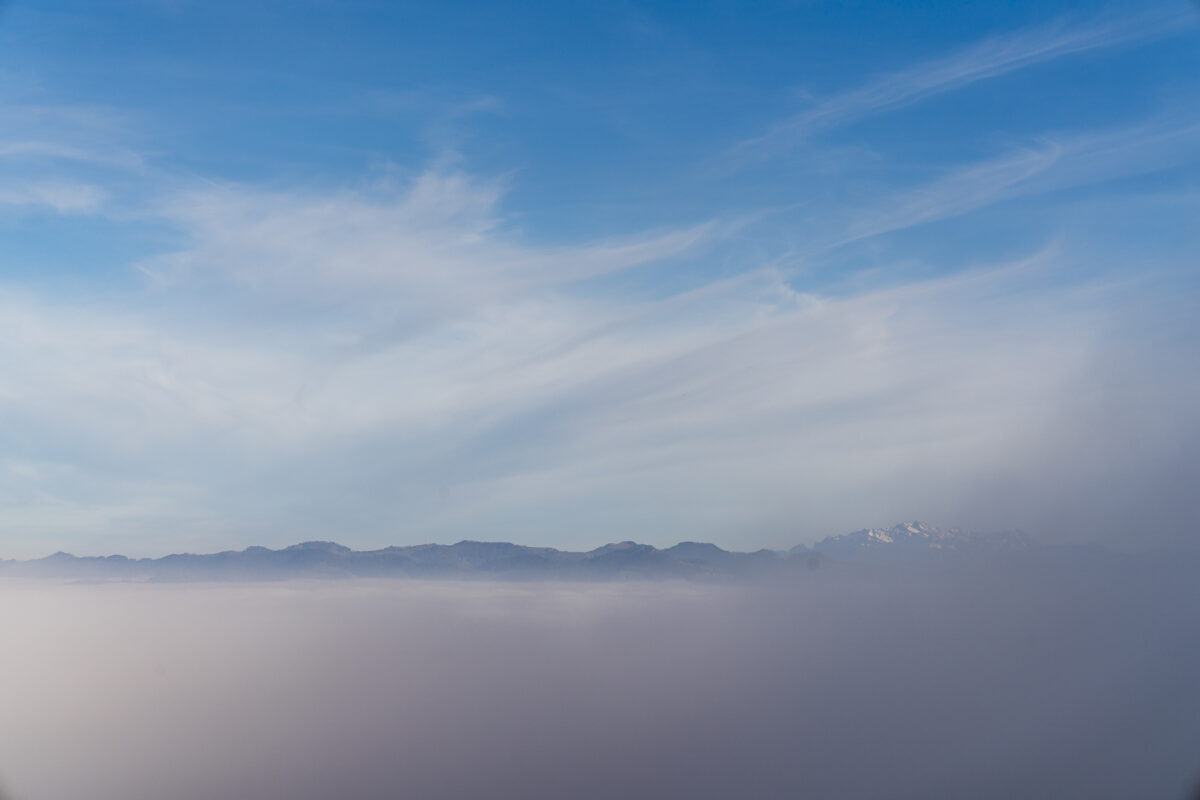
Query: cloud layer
[{"x": 1078, "y": 682}]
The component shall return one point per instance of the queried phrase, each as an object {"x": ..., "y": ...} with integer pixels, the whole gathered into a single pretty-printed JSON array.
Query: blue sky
[{"x": 574, "y": 273}]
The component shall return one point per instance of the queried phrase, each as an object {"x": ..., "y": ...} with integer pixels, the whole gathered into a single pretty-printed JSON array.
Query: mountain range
[{"x": 903, "y": 543}]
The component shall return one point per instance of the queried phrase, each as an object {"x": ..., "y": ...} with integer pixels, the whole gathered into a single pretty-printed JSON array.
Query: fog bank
[{"x": 1039, "y": 683}]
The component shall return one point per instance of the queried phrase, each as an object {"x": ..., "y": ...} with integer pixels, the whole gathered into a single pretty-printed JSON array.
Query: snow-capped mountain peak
[{"x": 918, "y": 538}]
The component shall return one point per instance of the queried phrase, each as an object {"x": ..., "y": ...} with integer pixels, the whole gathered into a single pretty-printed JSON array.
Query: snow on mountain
[{"x": 917, "y": 539}]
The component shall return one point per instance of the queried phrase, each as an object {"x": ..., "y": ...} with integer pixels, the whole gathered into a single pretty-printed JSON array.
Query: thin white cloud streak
[
  {"x": 990, "y": 58},
  {"x": 75, "y": 134},
  {"x": 434, "y": 246},
  {"x": 62, "y": 159},
  {"x": 63, "y": 198},
  {"x": 1055, "y": 162},
  {"x": 962, "y": 191}
]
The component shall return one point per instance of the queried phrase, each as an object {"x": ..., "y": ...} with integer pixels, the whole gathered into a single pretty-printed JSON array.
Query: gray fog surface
[{"x": 1033, "y": 682}]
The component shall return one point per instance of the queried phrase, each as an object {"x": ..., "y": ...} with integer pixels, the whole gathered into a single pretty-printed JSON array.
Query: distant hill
[{"x": 464, "y": 559}]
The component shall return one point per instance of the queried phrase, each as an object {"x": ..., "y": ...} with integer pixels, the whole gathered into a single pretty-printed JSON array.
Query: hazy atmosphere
[
  {"x": 390, "y": 273},
  {"x": 599, "y": 400}
]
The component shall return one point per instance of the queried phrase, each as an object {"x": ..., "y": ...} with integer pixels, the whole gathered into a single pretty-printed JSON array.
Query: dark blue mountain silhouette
[{"x": 906, "y": 542}]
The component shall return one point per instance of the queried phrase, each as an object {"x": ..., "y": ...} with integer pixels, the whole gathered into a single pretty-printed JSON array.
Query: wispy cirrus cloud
[
  {"x": 62, "y": 158},
  {"x": 430, "y": 245},
  {"x": 62, "y": 197},
  {"x": 39, "y": 134},
  {"x": 990, "y": 58},
  {"x": 1053, "y": 161},
  {"x": 963, "y": 190}
]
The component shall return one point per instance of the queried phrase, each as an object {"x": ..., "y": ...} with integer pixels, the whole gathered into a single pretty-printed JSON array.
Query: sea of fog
[{"x": 973, "y": 683}]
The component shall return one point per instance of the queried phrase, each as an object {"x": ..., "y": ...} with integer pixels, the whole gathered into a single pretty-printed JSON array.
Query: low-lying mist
[{"x": 1031, "y": 683}]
